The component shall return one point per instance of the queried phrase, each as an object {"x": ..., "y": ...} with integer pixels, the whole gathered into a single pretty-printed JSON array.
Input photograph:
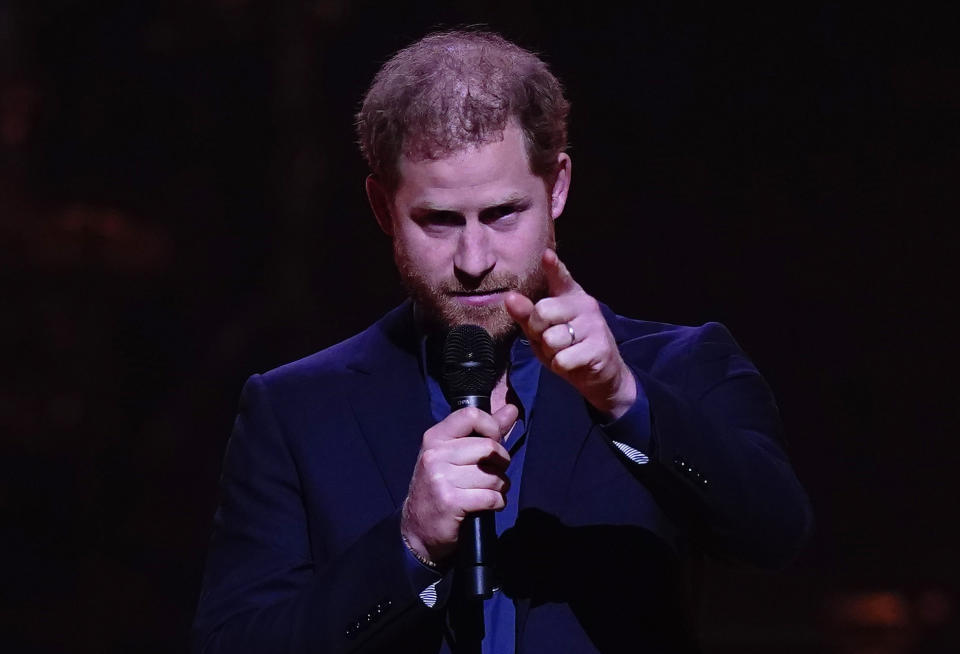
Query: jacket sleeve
[
  {"x": 264, "y": 590},
  {"x": 705, "y": 436}
]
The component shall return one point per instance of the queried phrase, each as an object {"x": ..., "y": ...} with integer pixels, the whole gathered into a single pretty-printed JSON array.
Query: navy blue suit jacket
[{"x": 306, "y": 554}]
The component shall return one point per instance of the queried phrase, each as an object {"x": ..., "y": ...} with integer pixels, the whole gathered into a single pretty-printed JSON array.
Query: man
[{"x": 617, "y": 451}]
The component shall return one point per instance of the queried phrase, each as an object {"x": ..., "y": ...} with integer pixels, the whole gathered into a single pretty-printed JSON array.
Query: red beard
[{"x": 441, "y": 310}]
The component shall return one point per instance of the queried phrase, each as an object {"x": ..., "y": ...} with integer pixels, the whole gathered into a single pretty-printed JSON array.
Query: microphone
[{"x": 469, "y": 375}]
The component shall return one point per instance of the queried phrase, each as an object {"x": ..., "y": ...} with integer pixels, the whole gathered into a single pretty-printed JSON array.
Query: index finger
[{"x": 559, "y": 279}]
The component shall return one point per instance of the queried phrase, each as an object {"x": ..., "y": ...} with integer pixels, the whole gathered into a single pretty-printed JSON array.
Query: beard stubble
[{"x": 441, "y": 311}]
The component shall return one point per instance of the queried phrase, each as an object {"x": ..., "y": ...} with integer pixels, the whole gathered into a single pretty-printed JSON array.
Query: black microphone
[{"x": 469, "y": 375}]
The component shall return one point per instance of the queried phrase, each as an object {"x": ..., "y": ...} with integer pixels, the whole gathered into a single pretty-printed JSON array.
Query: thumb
[{"x": 505, "y": 417}]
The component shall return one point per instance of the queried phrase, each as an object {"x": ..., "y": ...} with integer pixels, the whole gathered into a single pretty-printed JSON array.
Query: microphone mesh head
[{"x": 468, "y": 364}]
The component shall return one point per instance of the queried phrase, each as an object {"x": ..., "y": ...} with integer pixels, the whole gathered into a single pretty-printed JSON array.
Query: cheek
[
  {"x": 430, "y": 256},
  {"x": 530, "y": 245}
]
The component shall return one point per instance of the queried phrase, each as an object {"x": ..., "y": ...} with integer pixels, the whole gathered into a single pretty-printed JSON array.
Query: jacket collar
[{"x": 390, "y": 400}]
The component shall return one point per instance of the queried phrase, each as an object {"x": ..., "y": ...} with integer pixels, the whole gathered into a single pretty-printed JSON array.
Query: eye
[
  {"x": 502, "y": 212},
  {"x": 431, "y": 219}
]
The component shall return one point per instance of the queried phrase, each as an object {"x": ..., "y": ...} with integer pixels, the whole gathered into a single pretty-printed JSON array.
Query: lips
[
  {"x": 479, "y": 298},
  {"x": 492, "y": 291}
]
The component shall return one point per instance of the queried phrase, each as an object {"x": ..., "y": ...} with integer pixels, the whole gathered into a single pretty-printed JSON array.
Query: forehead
[{"x": 483, "y": 173}]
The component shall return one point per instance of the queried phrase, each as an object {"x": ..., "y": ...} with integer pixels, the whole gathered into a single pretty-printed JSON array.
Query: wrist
[
  {"x": 624, "y": 397},
  {"x": 418, "y": 553},
  {"x": 413, "y": 542}
]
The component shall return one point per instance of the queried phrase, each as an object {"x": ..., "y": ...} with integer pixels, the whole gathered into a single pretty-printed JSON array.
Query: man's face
[{"x": 468, "y": 228}]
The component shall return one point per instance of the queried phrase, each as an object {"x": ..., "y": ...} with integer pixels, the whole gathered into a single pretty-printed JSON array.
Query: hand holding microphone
[{"x": 456, "y": 475}]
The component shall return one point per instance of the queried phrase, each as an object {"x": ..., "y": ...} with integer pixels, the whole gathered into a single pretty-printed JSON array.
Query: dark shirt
[{"x": 523, "y": 377}]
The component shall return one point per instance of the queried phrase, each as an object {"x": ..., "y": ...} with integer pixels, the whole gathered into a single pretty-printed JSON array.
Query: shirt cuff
[{"x": 426, "y": 581}]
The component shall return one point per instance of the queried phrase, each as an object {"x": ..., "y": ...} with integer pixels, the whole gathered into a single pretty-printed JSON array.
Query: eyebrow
[{"x": 430, "y": 207}]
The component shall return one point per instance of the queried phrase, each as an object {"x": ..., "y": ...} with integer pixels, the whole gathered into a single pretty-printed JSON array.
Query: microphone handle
[
  {"x": 478, "y": 536},
  {"x": 478, "y": 531}
]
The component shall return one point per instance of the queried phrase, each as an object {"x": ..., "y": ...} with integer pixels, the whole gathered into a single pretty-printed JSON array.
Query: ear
[
  {"x": 380, "y": 204},
  {"x": 561, "y": 185}
]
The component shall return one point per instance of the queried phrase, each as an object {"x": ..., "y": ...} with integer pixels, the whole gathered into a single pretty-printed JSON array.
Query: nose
[{"x": 474, "y": 257}]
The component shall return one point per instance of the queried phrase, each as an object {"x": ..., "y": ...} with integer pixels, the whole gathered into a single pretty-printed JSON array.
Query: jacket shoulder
[
  {"x": 651, "y": 344},
  {"x": 357, "y": 354},
  {"x": 627, "y": 330},
  {"x": 330, "y": 360}
]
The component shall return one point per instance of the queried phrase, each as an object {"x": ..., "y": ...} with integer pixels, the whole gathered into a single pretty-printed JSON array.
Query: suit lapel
[
  {"x": 390, "y": 399},
  {"x": 559, "y": 426}
]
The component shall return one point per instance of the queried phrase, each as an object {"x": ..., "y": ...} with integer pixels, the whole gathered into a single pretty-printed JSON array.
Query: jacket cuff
[
  {"x": 630, "y": 432},
  {"x": 431, "y": 585}
]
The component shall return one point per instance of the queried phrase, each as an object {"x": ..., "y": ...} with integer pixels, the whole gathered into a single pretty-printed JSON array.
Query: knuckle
[
  {"x": 598, "y": 363},
  {"x": 541, "y": 309},
  {"x": 429, "y": 436},
  {"x": 429, "y": 458},
  {"x": 445, "y": 499},
  {"x": 549, "y": 338}
]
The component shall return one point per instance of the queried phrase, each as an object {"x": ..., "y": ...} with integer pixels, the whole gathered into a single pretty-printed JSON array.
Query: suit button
[{"x": 351, "y": 632}]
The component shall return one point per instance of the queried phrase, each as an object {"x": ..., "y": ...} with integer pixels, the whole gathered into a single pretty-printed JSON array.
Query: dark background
[{"x": 181, "y": 205}]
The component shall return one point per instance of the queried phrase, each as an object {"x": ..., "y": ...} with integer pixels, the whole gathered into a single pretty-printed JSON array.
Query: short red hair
[{"x": 454, "y": 89}]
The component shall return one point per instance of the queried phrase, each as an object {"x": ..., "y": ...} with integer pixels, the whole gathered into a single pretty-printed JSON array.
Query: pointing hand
[{"x": 569, "y": 335}]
